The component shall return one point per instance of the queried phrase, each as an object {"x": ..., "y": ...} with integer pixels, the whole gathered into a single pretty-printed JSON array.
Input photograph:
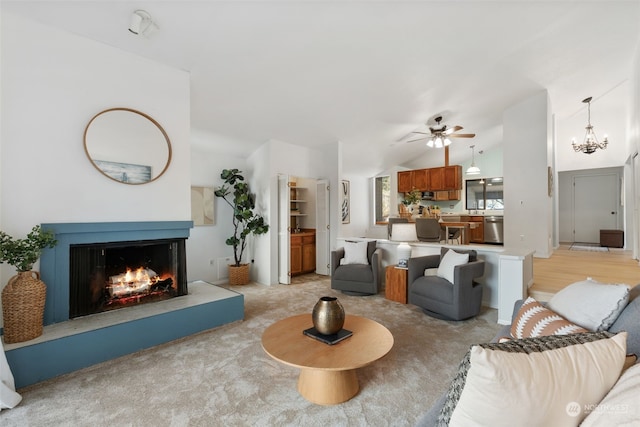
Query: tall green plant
[
  {"x": 235, "y": 192},
  {"x": 23, "y": 253}
]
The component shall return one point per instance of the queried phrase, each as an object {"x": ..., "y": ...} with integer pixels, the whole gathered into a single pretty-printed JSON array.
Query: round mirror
[{"x": 127, "y": 146}]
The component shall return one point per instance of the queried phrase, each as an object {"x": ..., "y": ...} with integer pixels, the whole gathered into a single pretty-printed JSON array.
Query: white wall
[
  {"x": 206, "y": 243},
  {"x": 633, "y": 135},
  {"x": 53, "y": 83},
  {"x": 527, "y": 153}
]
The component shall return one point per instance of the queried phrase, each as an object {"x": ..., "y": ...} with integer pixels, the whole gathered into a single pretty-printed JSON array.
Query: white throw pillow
[
  {"x": 591, "y": 304},
  {"x": 431, "y": 271},
  {"x": 620, "y": 406},
  {"x": 448, "y": 262},
  {"x": 355, "y": 253},
  {"x": 550, "y": 388}
]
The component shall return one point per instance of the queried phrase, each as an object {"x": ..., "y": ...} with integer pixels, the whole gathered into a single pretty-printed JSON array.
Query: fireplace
[
  {"x": 109, "y": 276},
  {"x": 86, "y": 272}
]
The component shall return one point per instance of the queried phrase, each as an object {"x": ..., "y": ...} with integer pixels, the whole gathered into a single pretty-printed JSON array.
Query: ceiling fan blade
[
  {"x": 421, "y": 133},
  {"x": 462, "y": 135},
  {"x": 417, "y": 139},
  {"x": 449, "y": 131}
]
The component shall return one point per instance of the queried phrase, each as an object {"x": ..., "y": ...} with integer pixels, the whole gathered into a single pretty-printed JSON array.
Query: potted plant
[
  {"x": 24, "y": 295},
  {"x": 235, "y": 192},
  {"x": 412, "y": 199}
]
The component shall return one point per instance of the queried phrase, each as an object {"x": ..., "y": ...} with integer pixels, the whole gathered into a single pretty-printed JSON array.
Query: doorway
[
  {"x": 303, "y": 238},
  {"x": 589, "y": 201}
]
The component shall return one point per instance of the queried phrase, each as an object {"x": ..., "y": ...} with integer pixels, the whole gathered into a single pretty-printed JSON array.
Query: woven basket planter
[
  {"x": 23, "y": 307},
  {"x": 239, "y": 275}
]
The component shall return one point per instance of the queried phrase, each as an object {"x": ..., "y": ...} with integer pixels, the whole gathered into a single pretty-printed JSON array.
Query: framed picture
[
  {"x": 344, "y": 202},
  {"x": 125, "y": 172},
  {"x": 202, "y": 206}
]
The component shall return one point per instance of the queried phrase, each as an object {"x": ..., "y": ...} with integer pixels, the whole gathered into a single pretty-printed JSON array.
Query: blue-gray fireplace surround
[{"x": 34, "y": 362}]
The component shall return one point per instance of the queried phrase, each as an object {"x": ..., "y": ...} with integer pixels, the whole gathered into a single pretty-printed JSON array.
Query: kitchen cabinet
[
  {"x": 452, "y": 178},
  {"x": 446, "y": 195},
  {"x": 421, "y": 179},
  {"x": 405, "y": 181},
  {"x": 444, "y": 179},
  {"x": 303, "y": 252},
  {"x": 418, "y": 179},
  {"x": 476, "y": 229}
]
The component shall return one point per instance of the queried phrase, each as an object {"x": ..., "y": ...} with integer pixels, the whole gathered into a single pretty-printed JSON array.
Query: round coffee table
[{"x": 327, "y": 372}]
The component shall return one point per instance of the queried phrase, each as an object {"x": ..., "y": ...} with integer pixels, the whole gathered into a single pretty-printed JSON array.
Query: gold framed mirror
[{"x": 127, "y": 146}]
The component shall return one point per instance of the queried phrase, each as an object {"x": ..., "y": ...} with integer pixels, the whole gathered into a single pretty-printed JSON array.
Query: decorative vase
[
  {"x": 239, "y": 275},
  {"x": 328, "y": 316},
  {"x": 23, "y": 301}
]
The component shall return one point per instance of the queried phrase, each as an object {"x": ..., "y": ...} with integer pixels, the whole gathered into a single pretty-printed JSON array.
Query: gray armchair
[
  {"x": 357, "y": 279},
  {"x": 440, "y": 298}
]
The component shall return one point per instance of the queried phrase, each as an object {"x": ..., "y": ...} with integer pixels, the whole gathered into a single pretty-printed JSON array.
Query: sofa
[
  {"x": 457, "y": 297},
  {"x": 620, "y": 404}
]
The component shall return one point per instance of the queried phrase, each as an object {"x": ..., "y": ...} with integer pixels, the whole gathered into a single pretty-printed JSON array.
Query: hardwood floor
[{"x": 568, "y": 266}]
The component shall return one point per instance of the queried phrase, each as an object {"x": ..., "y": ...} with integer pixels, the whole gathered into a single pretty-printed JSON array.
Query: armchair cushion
[
  {"x": 448, "y": 262},
  {"x": 355, "y": 253}
]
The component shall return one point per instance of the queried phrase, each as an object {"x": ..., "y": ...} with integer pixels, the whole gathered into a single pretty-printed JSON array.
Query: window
[
  {"x": 485, "y": 193},
  {"x": 382, "y": 198}
]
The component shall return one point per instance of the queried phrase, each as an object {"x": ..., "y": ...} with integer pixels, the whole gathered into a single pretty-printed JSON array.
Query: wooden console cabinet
[
  {"x": 303, "y": 253},
  {"x": 395, "y": 288}
]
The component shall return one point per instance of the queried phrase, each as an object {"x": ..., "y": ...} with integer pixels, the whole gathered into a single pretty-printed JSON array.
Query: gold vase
[
  {"x": 23, "y": 301},
  {"x": 328, "y": 316}
]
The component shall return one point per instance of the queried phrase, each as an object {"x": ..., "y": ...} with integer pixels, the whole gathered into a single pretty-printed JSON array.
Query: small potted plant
[
  {"x": 24, "y": 295},
  {"x": 235, "y": 192},
  {"x": 412, "y": 199}
]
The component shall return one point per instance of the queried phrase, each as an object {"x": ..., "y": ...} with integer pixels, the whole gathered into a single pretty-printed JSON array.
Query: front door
[{"x": 596, "y": 206}]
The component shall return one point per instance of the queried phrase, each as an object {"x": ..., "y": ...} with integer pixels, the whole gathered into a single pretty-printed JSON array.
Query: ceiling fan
[{"x": 439, "y": 134}]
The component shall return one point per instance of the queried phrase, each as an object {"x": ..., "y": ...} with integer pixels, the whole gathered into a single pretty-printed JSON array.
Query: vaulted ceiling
[{"x": 367, "y": 73}]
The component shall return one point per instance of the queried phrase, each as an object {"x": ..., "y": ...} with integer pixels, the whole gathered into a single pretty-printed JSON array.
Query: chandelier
[{"x": 590, "y": 144}]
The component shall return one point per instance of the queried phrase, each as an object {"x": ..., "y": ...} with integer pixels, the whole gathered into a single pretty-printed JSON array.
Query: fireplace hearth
[{"x": 109, "y": 276}]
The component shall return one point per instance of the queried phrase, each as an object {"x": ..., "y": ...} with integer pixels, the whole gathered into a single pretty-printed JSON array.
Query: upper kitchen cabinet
[
  {"x": 421, "y": 179},
  {"x": 405, "y": 181},
  {"x": 445, "y": 178},
  {"x": 418, "y": 179}
]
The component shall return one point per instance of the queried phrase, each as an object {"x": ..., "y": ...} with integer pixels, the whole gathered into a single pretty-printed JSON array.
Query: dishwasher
[{"x": 493, "y": 230}]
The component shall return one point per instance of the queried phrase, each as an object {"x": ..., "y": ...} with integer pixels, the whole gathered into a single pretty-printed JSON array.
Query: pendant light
[{"x": 473, "y": 169}]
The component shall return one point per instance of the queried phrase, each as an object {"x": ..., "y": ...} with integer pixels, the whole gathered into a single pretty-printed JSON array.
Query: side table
[{"x": 396, "y": 283}]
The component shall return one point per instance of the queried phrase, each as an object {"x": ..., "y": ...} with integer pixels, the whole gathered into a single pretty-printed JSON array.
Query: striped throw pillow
[{"x": 535, "y": 320}]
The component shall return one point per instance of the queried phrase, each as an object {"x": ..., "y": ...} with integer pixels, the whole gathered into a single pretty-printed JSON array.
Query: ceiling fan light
[
  {"x": 447, "y": 142},
  {"x": 438, "y": 142},
  {"x": 430, "y": 143}
]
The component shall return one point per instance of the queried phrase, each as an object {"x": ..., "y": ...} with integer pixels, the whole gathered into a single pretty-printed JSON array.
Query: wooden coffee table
[{"x": 327, "y": 372}]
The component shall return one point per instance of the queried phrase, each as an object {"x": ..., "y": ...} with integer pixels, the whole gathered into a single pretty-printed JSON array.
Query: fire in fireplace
[{"x": 107, "y": 276}]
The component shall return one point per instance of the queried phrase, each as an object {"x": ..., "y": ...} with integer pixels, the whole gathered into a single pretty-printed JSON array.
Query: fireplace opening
[{"x": 108, "y": 276}]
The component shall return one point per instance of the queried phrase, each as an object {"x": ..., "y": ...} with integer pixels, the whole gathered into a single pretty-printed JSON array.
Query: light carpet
[{"x": 222, "y": 377}]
